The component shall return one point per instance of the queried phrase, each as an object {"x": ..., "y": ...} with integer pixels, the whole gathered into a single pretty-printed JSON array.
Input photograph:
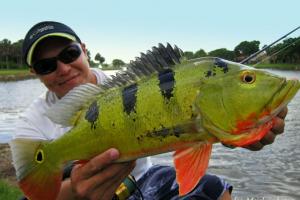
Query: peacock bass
[{"x": 161, "y": 103}]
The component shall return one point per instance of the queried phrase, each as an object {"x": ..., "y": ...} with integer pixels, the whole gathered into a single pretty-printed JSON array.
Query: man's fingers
[
  {"x": 268, "y": 138},
  {"x": 118, "y": 179},
  {"x": 106, "y": 188},
  {"x": 255, "y": 147},
  {"x": 99, "y": 162},
  {"x": 113, "y": 171},
  {"x": 278, "y": 127},
  {"x": 283, "y": 113}
]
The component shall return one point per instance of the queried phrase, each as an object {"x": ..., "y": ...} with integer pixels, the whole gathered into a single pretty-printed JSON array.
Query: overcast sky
[{"x": 123, "y": 29}]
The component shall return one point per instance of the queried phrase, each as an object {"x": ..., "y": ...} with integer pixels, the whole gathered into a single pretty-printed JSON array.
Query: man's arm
[{"x": 97, "y": 179}]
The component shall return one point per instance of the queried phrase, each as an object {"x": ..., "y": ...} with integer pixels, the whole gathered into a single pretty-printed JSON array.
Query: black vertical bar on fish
[
  {"x": 92, "y": 114},
  {"x": 266, "y": 47},
  {"x": 129, "y": 98},
  {"x": 166, "y": 83}
]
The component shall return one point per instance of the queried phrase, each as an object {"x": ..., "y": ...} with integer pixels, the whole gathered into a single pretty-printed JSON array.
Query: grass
[
  {"x": 5, "y": 72},
  {"x": 15, "y": 74},
  {"x": 9, "y": 192}
]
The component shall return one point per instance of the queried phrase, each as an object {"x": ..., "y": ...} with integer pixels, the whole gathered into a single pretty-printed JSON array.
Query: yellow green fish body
[{"x": 161, "y": 103}]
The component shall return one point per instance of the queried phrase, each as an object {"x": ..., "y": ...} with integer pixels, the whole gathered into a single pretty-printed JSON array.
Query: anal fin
[{"x": 191, "y": 164}]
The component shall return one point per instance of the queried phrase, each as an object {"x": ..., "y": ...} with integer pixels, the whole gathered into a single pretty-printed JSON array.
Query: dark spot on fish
[
  {"x": 221, "y": 64},
  {"x": 133, "y": 119},
  {"x": 163, "y": 132},
  {"x": 129, "y": 98},
  {"x": 166, "y": 83},
  {"x": 208, "y": 73},
  {"x": 148, "y": 133},
  {"x": 92, "y": 114},
  {"x": 177, "y": 130},
  {"x": 113, "y": 124}
]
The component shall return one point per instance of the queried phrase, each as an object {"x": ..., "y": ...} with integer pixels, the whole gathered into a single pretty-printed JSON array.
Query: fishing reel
[{"x": 126, "y": 189}]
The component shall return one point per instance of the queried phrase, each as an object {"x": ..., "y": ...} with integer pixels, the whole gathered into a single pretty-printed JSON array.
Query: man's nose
[{"x": 63, "y": 68}]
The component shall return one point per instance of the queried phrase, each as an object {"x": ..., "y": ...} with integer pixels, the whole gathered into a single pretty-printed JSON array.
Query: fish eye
[
  {"x": 39, "y": 156},
  {"x": 248, "y": 77}
]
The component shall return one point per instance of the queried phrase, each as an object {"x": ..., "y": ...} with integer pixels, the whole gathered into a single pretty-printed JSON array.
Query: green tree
[
  {"x": 200, "y": 53},
  {"x": 287, "y": 51},
  {"x": 246, "y": 48},
  {"x": 188, "y": 55},
  {"x": 117, "y": 63},
  {"x": 222, "y": 53},
  {"x": 16, "y": 53},
  {"x": 105, "y": 66},
  {"x": 99, "y": 58},
  {"x": 5, "y": 48}
]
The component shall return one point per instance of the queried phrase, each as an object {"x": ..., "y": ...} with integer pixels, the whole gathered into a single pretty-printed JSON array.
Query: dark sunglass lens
[
  {"x": 45, "y": 66},
  {"x": 69, "y": 54}
]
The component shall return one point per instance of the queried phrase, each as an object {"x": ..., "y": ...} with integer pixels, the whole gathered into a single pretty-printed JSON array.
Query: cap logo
[{"x": 40, "y": 30}]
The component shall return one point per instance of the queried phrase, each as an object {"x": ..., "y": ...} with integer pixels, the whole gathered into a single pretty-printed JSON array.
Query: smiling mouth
[{"x": 67, "y": 80}]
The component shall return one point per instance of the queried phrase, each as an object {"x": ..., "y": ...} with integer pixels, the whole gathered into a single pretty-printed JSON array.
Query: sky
[{"x": 123, "y": 29}]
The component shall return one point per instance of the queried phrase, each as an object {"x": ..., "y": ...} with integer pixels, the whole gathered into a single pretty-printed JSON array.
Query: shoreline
[
  {"x": 18, "y": 77},
  {"x": 7, "y": 171}
]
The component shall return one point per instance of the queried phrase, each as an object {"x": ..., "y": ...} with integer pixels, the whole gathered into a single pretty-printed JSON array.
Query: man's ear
[{"x": 83, "y": 47}]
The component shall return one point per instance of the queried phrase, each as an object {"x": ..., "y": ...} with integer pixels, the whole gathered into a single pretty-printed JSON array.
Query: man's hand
[
  {"x": 269, "y": 138},
  {"x": 99, "y": 178}
]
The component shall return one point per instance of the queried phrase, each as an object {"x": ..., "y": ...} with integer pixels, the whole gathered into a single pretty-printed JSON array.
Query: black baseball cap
[{"x": 41, "y": 31}]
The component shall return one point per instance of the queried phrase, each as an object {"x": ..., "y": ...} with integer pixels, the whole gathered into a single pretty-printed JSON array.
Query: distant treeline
[
  {"x": 288, "y": 51},
  {"x": 11, "y": 57}
]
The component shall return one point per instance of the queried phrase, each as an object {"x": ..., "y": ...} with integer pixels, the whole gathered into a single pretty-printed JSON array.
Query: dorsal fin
[
  {"x": 156, "y": 60},
  {"x": 159, "y": 59},
  {"x": 64, "y": 112}
]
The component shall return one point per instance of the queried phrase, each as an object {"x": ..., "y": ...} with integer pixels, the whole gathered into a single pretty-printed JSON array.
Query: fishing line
[
  {"x": 276, "y": 52},
  {"x": 254, "y": 55}
]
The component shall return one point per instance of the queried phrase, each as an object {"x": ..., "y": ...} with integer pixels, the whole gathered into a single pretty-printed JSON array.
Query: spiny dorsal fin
[
  {"x": 64, "y": 112},
  {"x": 157, "y": 60}
]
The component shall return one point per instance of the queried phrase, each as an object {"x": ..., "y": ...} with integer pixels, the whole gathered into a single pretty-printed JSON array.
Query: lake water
[{"x": 272, "y": 173}]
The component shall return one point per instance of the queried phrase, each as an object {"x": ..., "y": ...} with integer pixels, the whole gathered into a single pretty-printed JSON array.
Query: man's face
[{"x": 66, "y": 76}]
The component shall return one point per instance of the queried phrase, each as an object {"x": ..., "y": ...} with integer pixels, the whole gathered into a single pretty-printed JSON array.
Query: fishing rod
[
  {"x": 277, "y": 52},
  {"x": 266, "y": 47}
]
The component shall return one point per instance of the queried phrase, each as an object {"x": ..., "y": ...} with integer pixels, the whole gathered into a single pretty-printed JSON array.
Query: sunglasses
[{"x": 49, "y": 65}]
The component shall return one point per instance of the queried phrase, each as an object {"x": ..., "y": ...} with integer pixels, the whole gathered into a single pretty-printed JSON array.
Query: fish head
[{"x": 239, "y": 106}]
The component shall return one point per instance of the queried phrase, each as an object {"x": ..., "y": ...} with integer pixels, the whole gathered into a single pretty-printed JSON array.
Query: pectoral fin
[{"x": 191, "y": 165}]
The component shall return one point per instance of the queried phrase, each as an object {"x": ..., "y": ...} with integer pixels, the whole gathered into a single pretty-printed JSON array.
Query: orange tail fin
[
  {"x": 191, "y": 165},
  {"x": 38, "y": 171}
]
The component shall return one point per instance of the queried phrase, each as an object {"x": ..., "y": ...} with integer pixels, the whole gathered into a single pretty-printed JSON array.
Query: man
[{"x": 59, "y": 59}]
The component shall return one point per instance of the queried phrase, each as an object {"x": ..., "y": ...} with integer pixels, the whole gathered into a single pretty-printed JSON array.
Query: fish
[{"x": 161, "y": 103}]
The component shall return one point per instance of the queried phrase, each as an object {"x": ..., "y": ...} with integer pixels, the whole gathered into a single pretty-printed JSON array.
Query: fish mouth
[
  {"x": 280, "y": 100},
  {"x": 265, "y": 123}
]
